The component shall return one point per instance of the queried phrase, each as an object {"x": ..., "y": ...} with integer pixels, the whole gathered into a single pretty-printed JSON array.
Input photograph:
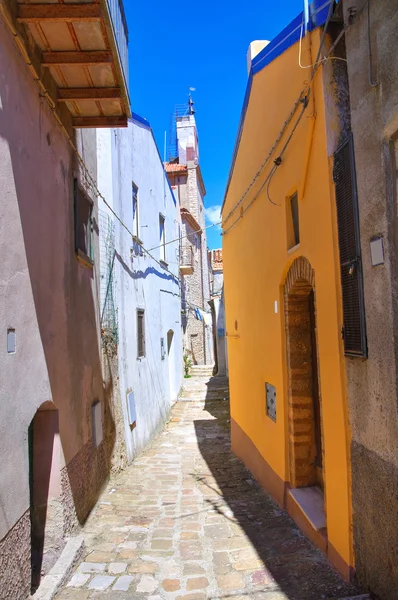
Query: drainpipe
[
  {"x": 372, "y": 83},
  {"x": 310, "y": 138},
  {"x": 203, "y": 296}
]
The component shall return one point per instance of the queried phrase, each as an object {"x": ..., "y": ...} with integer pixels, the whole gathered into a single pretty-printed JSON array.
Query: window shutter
[
  {"x": 83, "y": 209},
  {"x": 354, "y": 331}
]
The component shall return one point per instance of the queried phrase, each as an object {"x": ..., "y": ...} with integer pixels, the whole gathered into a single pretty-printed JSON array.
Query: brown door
[{"x": 318, "y": 463}]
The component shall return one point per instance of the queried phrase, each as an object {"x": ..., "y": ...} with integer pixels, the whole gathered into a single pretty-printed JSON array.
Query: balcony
[
  {"x": 78, "y": 52},
  {"x": 186, "y": 260}
]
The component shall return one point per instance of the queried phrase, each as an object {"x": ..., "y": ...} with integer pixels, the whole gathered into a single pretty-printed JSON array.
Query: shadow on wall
[
  {"x": 288, "y": 561},
  {"x": 64, "y": 294}
]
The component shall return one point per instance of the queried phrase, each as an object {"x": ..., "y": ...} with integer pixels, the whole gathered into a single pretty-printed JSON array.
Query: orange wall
[{"x": 256, "y": 261}]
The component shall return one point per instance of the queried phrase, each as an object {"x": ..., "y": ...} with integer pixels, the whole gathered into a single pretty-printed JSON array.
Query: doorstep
[
  {"x": 306, "y": 507},
  {"x": 311, "y": 501}
]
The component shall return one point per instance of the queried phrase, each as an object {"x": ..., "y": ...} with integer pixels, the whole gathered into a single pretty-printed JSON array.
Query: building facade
[
  {"x": 56, "y": 428},
  {"x": 217, "y": 305},
  {"x": 371, "y": 40},
  {"x": 187, "y": 184},
  {"x": 144, "y": 273},
  {"x": 282, "y": 251}
]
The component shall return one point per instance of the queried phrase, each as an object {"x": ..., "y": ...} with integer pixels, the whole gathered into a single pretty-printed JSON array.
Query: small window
[
  {"x": 11, "y": 341},
  {"x": 98, "y": 435},
  {"x": 293, "y": 224},
  {"x": 140, "y": 333},
  {"x": 136, "y": 229},
  {"x": 84, "y": 246},
  {"x": 162, "y": 238}
]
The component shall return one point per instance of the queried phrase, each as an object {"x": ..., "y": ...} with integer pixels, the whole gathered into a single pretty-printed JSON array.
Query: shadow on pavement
[{"x": 291, "y": 563}]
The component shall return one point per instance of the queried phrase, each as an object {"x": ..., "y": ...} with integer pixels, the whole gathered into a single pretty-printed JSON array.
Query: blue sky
[{"x": 173, "y": 47}]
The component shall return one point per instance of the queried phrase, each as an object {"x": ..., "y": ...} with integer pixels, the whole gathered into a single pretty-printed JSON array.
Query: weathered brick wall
[
  {"x": 193, "y": 297},
  {"x": 197, "y": 285}
]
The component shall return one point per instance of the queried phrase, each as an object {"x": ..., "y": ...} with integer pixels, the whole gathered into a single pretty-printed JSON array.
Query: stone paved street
[{"x": 187, "y": 521}]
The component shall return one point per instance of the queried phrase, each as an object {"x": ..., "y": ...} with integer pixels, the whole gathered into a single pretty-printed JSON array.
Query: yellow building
[{"x": 283, "y": 293}]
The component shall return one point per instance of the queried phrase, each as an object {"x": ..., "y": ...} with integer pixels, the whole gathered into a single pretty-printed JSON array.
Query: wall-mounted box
[
  {"x": 11, "y": 341},
  {"x": 98, "y": 435},
  {"x": 131, "y": 408},
  {"x": 270, "y": 395},
  {"x": 377, "y": 251}
]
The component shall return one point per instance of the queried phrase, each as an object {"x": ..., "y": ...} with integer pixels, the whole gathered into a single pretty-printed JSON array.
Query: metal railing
[
  {"x": 186, "y": 256},
  {"x": 120, "y": 30}
]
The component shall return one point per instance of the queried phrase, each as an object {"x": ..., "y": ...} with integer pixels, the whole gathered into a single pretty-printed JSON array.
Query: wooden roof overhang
[{"x": 76, "y": 44}]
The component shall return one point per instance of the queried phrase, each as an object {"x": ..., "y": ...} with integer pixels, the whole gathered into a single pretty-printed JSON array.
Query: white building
[{"x": 145, "y": 301}]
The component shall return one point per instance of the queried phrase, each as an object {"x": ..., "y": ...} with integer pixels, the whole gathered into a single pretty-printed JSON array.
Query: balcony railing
[
  {"x": 121, "y": 34},
  {"x": 186, "y": 260}
]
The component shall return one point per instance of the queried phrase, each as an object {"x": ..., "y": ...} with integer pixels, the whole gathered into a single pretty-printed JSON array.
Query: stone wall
[
  {"x": 192, "y": 296},
  {"x": 15, "y": 561},
  {"x": 372, "y": 383}
]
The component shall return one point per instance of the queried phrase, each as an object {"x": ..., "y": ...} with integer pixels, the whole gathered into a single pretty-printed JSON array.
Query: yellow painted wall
[{"x": 256, "y": 261}]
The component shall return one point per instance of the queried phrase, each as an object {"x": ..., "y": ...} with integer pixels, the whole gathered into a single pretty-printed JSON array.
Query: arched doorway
[
  {"x": 46, "y": 513},
  {"x": 304, "y": 405}
]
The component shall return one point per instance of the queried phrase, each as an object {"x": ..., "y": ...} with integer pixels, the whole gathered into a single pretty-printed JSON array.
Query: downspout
[
  {"x": 203, "y": 296},
  {"x": 372, "y": 83},
  {"x": 310, "y": 138}
]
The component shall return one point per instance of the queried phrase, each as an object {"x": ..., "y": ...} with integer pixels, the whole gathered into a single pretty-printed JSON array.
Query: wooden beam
[
  {"x": 68, "y": 94},
  {"x": 97, "y": 122},
  {"x": 52, "y": 59},
  {"x": 54, "y": 13}
]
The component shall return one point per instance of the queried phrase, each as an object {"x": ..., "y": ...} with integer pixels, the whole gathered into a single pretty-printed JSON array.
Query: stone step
[
  {"x": 201, "y": 370},
  {"x": 360, "y": 597}
]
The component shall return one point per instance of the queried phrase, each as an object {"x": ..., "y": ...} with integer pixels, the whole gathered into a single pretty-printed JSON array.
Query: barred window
[
  {"x": 354, "y": 331},
  {"x": 140, "y": 333},
  {"x": 83, "y": 208}
]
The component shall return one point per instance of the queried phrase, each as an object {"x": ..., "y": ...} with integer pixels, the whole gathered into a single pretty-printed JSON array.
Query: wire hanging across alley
[{"x": 302, "y": 98}]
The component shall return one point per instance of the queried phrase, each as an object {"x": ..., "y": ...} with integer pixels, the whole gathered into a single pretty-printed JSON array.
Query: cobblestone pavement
[{"x": 187, "y": 522}]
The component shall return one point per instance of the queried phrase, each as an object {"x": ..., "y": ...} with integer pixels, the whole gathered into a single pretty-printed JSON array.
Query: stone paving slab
[{"x": 186, "y": 521}]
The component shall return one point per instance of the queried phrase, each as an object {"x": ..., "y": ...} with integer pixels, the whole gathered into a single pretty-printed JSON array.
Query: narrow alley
[{"x": 186, "y": 520}]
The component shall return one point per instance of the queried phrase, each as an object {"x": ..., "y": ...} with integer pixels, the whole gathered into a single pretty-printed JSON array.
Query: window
[
  {"x": 354, "y": 330},
  {"x": 140, "y": 333},
  {"x": 292, "y": 219},
  {"x": 162, "y": 238},
  {"x": 136, "y": 228},
  {"x": 11, "y": 341},
  {"x": 83, "y": 207}
]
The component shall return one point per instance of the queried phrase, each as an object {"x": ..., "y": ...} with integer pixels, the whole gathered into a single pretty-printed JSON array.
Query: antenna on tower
[{"x": 191, "y": 110}]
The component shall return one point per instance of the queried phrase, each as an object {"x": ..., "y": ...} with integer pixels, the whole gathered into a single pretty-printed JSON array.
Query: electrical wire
[
  {"x": 285, "y": 125},
  {"x": 90, "y": 181},
  {"x": 325, "y": 58},
  {"x": 269, "y": 183},
  {"x": 303, "y": 98},
  {"x": 277, "y": 163},
  {"x": 186, "y": 236}
]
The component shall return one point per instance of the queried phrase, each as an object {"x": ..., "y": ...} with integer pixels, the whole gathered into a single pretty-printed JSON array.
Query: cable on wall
[{"x": 303, "y": 98}]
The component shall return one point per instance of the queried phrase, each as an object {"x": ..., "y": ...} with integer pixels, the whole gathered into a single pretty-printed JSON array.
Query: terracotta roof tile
[
  {"x": 174, "y": 167},
  {"x": 216, "y": 259}
]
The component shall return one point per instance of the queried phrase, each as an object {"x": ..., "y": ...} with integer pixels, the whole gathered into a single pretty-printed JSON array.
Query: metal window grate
[
  {"x": 140, "y": 333},
  {"x": 295, "y": 218},
  {"x": 354, "y": 330}
]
